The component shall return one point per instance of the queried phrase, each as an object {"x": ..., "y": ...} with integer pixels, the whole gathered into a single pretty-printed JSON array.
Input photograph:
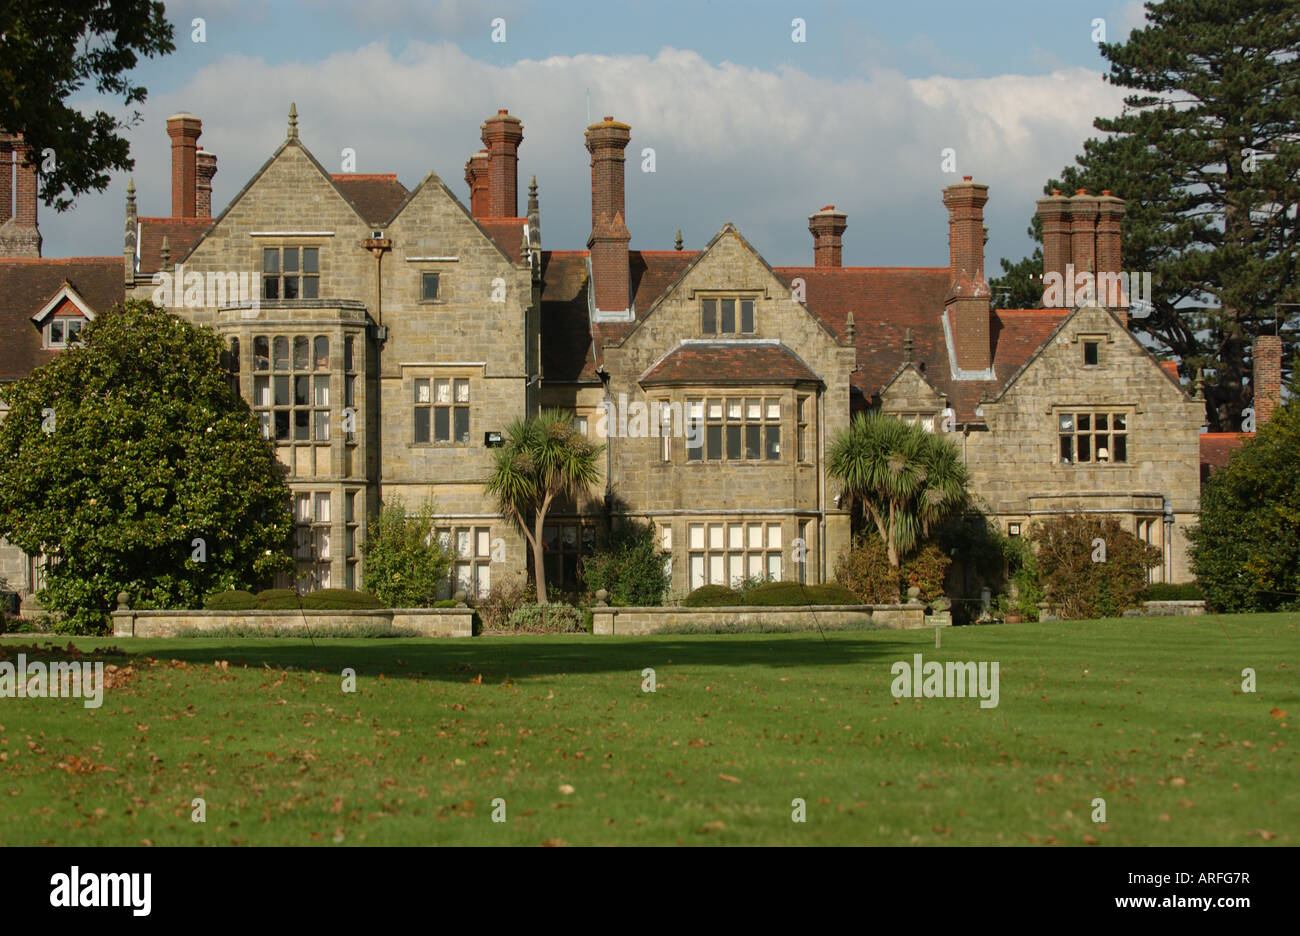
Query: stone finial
[
  {"x": 293, "y": 121},
  {"x": 850, "y": 330},
  {"x": 1200, "y": 384},
  {"x": 165, "y": 252},
  {"x": 677, "y": 244},
  {"x": 130, "y": 193},
  {"x": 913, "y": 593},
  {"x": 459, "y": 598},
  {"x": 532, "y": 194},
  {"x": 602, "y": 597},
  {"x": 907, "y": 345},
  {"x": 122, "y": 599}
]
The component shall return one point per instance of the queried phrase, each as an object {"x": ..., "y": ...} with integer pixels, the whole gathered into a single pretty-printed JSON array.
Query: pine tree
[{"x": 1207, "y": 156}]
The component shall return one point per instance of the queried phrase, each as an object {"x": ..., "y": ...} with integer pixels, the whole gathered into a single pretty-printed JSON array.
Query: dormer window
[
  {"x": 62, "y": 318},
  {"x": 63, "y": 331}
]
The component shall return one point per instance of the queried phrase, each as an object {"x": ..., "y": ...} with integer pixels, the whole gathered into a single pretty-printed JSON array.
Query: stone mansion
[{"x": 396, "y": 333}]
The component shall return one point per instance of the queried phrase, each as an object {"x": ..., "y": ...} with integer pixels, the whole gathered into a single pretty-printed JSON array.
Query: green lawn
[{"x": 1148, "y": 714}]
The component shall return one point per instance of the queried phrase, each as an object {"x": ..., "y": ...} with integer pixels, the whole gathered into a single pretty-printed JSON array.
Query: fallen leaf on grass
[
  {"x": 728, "y": 778},
  {"x": 711, "y": 826},
  {"x": 1278, "y": 713},
  {"x": 1265, "y": 834},
  {"x": 566, "y": 789}
]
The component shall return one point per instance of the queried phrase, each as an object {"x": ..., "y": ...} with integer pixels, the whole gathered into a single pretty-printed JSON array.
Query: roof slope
[
  {"x": 375, "y": 198},
  {"x": 181, "y": 233},
  {"x": 28, "y": 284},
  {"x": 736, "y": 361}
]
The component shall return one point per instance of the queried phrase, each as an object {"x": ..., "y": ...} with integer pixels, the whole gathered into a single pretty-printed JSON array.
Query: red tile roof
[
  {"x": 1217, "y": 448},
  {"x": 887, "y": 301},
  {"x": 181, "y": 233},
  {"x": 729, "y": 362},
  {"x": 1171, "y": 368},
  {"x": 376, "y": 197},
  {"x": 508, "y": 234},
  {"x": 26, "y": 285}
]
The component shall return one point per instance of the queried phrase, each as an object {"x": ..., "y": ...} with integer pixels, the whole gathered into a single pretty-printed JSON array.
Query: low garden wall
[
  {"x": 641, "y": 621},
  {"x": 1163, "y": 608},
  {"x": 428, "y": 622}
]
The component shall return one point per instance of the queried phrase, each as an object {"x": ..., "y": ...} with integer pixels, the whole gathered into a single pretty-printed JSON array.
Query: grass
[{"x": 1146, "y": 713}]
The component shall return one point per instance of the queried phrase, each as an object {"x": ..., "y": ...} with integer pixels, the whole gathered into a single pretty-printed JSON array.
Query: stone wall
[
  {"x": 429, "y": 622},
  {"x": 641, "y": 621}
]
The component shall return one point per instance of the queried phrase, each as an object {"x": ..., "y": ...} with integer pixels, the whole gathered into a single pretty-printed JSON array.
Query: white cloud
[{"x": 762, "y": 148}]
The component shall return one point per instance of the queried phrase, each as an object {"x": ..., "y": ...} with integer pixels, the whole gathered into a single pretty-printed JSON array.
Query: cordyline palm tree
[
  {"x": 544, "y": 458},
  {"x": 908, "y": 480}
]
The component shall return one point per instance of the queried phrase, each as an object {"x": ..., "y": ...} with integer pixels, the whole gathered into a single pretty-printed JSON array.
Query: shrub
[
  {"x": 630, "y": 568},
  {"x": 231, "y": 601},
  {"x": 340, "y": 599},
  {"x": 502, "y": 601},
  {"x": 711, "y": 596},
  {"x": 796, "y": 594},
  {"x": 548, "y": 618},
  {"x": 279, "y": 599},
  {"x": 405, "y": 565},
  {"x": 865, "y": 570},
  {"x": 1080, "y": 587},
  {"x": 323, "y": 630},
  {"x": 1164, "y": 591},
  {"x": 766, "y": 627},
  {"x": 926, "y": 569}
]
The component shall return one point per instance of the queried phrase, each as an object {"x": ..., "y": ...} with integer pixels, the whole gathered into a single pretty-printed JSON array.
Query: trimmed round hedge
[
  {"x": 286, "y": 599},
  {"x": 771, "y": 595}
]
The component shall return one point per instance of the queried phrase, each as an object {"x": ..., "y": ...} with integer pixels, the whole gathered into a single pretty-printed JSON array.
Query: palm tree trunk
[
  {"x": 889, "y": 545},
  {"x": 539, "y": 565}
]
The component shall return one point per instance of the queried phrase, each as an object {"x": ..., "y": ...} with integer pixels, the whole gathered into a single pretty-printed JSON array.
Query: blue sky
[{"x": 747, "y": 125}]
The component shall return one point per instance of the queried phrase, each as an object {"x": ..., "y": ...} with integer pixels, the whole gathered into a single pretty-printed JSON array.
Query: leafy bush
[
  {"x": 1079, "y": 587},
  {"x": 236, "y": 600},
  {"x": 711, "y": 596},
  {"x": 405, "y": 565},
  {"x": 766, "y": 627},
  {"x": 446, "y": 603},
  {"x": 1165, "y": 591},
  {"x": 865, "y": 570},
  {"x": 630, "y": 568},
  {"x": 502, "y": 600},
  {"x": 549, "y": 618},
  {"x": 340, "y": 599},
  {"x": 1246, "y": 549}
]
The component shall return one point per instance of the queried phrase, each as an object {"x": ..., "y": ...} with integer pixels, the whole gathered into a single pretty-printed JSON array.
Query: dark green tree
[
  {"x": 1246, "y": 549},
  {"x": 132, "y": 465},
  {"x": 405, "y": 565},
  {"x": 1207, "y": 156},
  {"x": 1021, "y": 284},
  {"x": 630, "y": 567},
  {"x": 51, "y": 51}
]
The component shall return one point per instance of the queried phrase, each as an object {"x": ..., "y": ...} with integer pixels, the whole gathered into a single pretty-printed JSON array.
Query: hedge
[
  {"x": 286, "y": 599},
  {"x": 1164, "y": 591},
  {"x": 771, "y": 595}
]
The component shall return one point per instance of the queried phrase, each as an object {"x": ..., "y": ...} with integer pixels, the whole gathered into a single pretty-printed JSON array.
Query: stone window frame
[
  {"x": 315, "y": 369},
  {"x": 723, "y": 418},
  {"x": 717, "y": 299},
  {"x": 708, "y": 553},
  {"x": 301, "y": 274},
  {"x": 926, "y": 419},
  {"x": 313, "y": 551},
  {"x": 1092, "y": 434},
  {"x": 431, "y": 376},
  {"x": 475, "y": 563}
]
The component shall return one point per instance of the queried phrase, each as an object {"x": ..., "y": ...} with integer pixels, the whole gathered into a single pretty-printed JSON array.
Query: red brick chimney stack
[
  {"x": 476, "y": 177},
  {"x": 6, "y": 180},
  {"x": 1110, "y": 220},
  {"x": 205, "y": 167},
  {"x": 184, "y": 129},
  {"x": 827, "y": 227},
  {"x": 606, "y": 141},
  {"x": 19, "y": 234},
  {"x": 1267, "y": 377},
  {"x": 502, "y": 135},
  {"x": 1054, "y": 213},
  {"x": 1083, "y": 232},
  {"x": 967, "y": 305}
]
